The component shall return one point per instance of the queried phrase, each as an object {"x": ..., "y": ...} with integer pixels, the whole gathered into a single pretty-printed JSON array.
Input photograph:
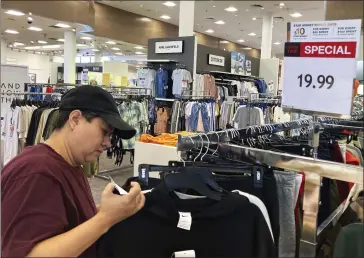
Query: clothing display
[
  {"x": 161, "y": 83},
  {"x": 181, "y": 81},
  {"x": 146, "y": 77}
]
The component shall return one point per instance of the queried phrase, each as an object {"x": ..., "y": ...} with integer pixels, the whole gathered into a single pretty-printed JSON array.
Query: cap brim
[{"x": 123, "y": 129}]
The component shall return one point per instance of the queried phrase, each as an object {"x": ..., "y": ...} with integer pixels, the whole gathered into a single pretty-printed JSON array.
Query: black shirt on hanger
[{"x": 232, "y": 227}]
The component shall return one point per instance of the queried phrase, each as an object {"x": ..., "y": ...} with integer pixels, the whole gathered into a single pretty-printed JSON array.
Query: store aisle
[{"x": 97, "y": 184}]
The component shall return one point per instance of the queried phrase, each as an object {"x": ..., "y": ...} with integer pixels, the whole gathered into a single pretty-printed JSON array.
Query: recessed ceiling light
[
  {"x": 166, "y": 17},
  {"x": 224, "y": 41},
  {"x": 145, "y": 19},
  {"x": 241, "y": 40},
  {"x": 231, "y": 9},
  {"x": 247, "y": 48},
  {"x": 50, "y": 47},
  {"x": 119, "y": 54},
  {"x": 62, "y": 25},
  {"x": 95, "y": 50},
  {"x": 115, "y": 48},
  {"x": 214, "y": 6},
  {"x": 277, "y": 43},
  {"x": 140, "y": 63},
  {"x": 31, "y": 42},
  {"x": 236, "y": 15},
  {"x": 262, "y": 8},
  {"x": 74, "y": 30},
  {"x": 169, "y": 4},
  {"x": 219, "y": 22},
  {"x": 81, "y": 45},
  {"x": 247, "y": 10},
  {"x": 30, "y": 19},
  {"x": 281, "y": 4},
  {"x": 296, "y": 15},
  {"x": 18, "y": 44},
  {"x": 14, "y": 12},
  {"x": 30, "y": 13},
  {"x": 139, "y": 53},
  {"x": 252, "y": 34},
  {"x": 86, "y": 38},
  {"x": 254, "y": 19},
  {"x": 139, "y": 47},
  {"x": 12, "y": 32},
  {"x": 209, "y": 31},
  {"x": 60, "y": 40},
  {"x": 35, "y": 28},
  {"x": 110, "y": 42},
  {"x": 42, "y": 42},
  {"x": 32, "y": 48}
]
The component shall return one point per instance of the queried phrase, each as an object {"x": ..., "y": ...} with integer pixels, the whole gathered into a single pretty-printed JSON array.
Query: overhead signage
[
  {"x": 94, "y": 68},
  {"x": 216, "y": 60},
  {"x": 320, "y": 67},
  {"x": 169, "y": 47}
]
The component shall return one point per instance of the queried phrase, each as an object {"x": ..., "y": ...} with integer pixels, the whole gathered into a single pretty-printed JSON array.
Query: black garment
[
  {"x": 232, "y": 227},
  {"x": 33, "y": 126}
]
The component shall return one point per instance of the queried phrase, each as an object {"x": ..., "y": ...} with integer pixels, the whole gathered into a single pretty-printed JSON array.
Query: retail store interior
[{"x": 250, "y": 109}]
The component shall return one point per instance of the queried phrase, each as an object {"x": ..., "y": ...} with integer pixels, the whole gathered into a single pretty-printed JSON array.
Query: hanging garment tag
[
  {"x": 185, "y": 220},
  {"x": 186, "y": 254},
  {"x": 258, "y": 173}
]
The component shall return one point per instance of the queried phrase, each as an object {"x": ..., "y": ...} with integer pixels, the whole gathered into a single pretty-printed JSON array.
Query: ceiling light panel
[
  {"x": 35, "y": 28},
  {"x": 219, "y": 22},
  {"x": 18, "y": 44},
  {"x": 165, "y": 17},
  {"x": 224, "y": 42},
  {"x": 209, "y": 31},
  {"x": 115, "y": 48},
  {"x": 247, "y": 48},
  {"x": 252, "y": 34},
  {"x": 295, "y": 15},
  {"x": 42, "y": 42},
  {"x": 51, "y": 46},
  {"x": 231, "y": 9},
  {"x": 139, "y": 53},
  {"x": 60, "y": 40},
  {"x": 62, "y": 25},
  {"x": 169, "y": 4},
  {"x": 241, "y": 40},
  {"x": 86, "y": 38},
  {"x": 119, "y": 53},
  {"x": 277, "y": 43},
  {"x": 14, "y": 12},
  {"x": 110, "y": 42},
  {"x": 95, "y": 50},
  {"x": 32, "y": 48},
  {"x": 12, "y": 31},
  {"x": 81, "y": 45},
  {"x": 139, "y": 47},
  {"x": 281, "y": 4}
]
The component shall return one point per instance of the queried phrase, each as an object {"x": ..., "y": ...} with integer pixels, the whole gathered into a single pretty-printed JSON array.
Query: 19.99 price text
[{"x": 321, "y": 81}]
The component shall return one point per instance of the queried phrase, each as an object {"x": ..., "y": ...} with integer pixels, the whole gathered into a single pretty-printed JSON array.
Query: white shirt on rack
[{"x": 10, "y": 134}]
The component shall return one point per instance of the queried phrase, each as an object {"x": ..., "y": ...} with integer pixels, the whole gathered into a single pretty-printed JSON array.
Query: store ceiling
[
  {"x": 238, "y": 24},
  {"x": 28, "y": 40}
]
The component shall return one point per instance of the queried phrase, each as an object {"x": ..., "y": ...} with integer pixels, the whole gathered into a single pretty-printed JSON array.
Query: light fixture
[
  {"x": 231, "y": 9},
  {"x": 145, "y": 19},
  {"x": 42, "y": 42},
  {"x": 140, "y": 62},
  {"x": 115, "y": 48},
  {"x": 295, "y": 15},
  {"x": 86, "y": 38},
  {"x": 110, "y": 42},
  {"x": 60, "y": 40},
  {"x": 247, "y": 48},
  {"x": 81, "y": 45},
  {"x": 30, "y": 19},
  {"x": 18, "y": 44},
  {"x": 30, "y": 13},
  {"x": 252, "y": 34},
  {"x": 277, "y": 43},
  {"x": 254, "y": 19},
  {"x": 74, "y": 30},
  {"x": 31, "y": 42},
  {"x": 51, "y": 47},
  {"x": 141, "y": 5},
  {"x": 169, "y": 4},
  {"x": 139, "y": 47},
  {"x": 165, "y": 17},
  {"x": 219, "y": 22},
  {"x": 32, "y": 48},
  {"x": 119, "y": 53},
  {"x": 62, "y": 25},
  {"x": 214, "y": 6},
  {"x": 11, "y": 32},
  {"x": 35, "y": 28},
  {"x": 281, "y": 4},
  {"x": 209, "y": 31},
  {"x": 14, "y": 12},
  {"x": 262, "y": 8},
  {"x": 241, "y": 40},
  {"x": 224, "y": 42},
  {"x": 139, "y": 53},
  {"x": 247, "y": 10},
  {"x": 95, "y": 50}
]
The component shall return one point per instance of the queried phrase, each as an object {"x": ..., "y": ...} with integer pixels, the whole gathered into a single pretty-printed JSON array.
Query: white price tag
[
  {"x": 185, "y": 220},
  {"x": 319, "y": 76}
]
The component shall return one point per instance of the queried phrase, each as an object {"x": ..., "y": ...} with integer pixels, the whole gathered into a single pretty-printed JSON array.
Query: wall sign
[
  {"x": 248, "y": 65},
  {"x": 320, "y": 66},
  {"x": 169, "y": 47},
  {"x": 216, "y": 60},
  {"x": 238, "y": 63}
]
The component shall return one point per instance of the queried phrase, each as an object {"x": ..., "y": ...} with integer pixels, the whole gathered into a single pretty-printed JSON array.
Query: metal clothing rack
[{"x": 314, "y": 168}]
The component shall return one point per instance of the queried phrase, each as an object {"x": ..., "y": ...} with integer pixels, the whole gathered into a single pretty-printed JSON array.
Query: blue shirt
[{"x": 161, "y": 82}]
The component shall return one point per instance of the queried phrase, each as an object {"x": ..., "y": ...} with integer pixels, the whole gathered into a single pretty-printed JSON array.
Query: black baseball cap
[{"x": 97, "y": 100}]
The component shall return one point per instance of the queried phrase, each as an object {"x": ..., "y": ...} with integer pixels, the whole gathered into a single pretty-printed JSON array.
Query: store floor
[{"x": 123, "y": 172}]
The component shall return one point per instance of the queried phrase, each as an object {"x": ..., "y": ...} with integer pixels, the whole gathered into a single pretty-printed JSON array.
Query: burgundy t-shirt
[{"x": 42, "y": 196}]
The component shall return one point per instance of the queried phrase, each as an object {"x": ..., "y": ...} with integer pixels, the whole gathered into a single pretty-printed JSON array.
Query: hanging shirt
[
  {"x": 131, "y": 114},
  {"x": 161, "y": 83},
  {"x": 146, "y": 78},
  {"x": 10, "y": 134},
  {"x": 181, "y": 80}
]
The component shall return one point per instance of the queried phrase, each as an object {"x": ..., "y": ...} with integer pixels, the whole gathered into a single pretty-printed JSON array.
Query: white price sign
[{"x": 319, "y": 74}]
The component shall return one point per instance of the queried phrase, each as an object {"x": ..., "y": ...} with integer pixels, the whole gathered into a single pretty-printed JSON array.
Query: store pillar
[
  {"x": 70, "y": 57},
  {"x": 97, "y": 57},
  {"x": 186, "y": 18},
  {"x": 267, "y": 32}
]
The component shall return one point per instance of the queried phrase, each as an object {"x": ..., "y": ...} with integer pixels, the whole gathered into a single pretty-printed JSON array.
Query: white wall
[
  {"x": 38, "y": 64},
  {"x": 132, "y": 72},
  {"x": 115, "y": 68},
  {"x": 269, "y": 71}
]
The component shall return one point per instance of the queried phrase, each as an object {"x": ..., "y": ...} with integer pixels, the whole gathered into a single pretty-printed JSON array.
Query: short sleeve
[{"x": 32, "y": 211}]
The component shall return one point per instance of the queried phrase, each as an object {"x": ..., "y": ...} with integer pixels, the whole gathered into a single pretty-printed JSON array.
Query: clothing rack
[
  {"x": 314, "y": 168},
  {"x": 30, "y": 93}
]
